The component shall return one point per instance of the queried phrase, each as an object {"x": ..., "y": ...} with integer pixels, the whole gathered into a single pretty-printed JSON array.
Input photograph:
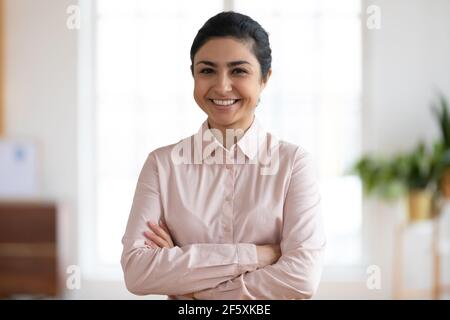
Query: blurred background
[{"x": 89, "y": 88}]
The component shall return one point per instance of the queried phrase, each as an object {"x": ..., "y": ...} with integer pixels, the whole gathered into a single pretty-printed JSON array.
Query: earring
[{"x": 259, "y": 100}]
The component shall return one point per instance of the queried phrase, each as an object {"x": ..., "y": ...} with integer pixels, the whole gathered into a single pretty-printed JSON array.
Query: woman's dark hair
[{"x": 241, "y": 27}]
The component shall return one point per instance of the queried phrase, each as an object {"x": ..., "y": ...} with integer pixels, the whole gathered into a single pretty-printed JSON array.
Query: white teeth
[{"x": 224, "y": 102}]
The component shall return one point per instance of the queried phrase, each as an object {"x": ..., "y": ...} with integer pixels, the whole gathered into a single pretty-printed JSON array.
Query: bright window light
[{"x": 143, "y": 98}]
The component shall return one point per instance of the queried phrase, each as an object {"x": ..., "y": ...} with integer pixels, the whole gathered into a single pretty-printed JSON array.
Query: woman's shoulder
[
  {"x": 167, "y": 152},
  {"x": 286, "y": 148}
]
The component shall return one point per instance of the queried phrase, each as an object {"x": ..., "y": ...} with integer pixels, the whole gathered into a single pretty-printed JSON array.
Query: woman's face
[{"x": 228, "y": 82}]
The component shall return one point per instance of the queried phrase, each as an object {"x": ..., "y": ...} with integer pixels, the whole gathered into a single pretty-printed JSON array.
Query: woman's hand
[
  {"x": 268, "y": 254},
  {"x": 159, "y": 237}
]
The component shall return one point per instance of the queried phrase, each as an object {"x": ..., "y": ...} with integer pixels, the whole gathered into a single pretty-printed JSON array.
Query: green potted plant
[
  {"x": 379, "y": 177},
  {"x": 420, "y": 171},
  {"x": 411, "y": 174},
  {"x": 442, "y": 117}
]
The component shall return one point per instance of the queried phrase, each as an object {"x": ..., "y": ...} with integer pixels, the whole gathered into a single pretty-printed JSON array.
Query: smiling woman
[
  {"x": 224, "y": 228},
  {"x": 228, "y": 82},
  {"x": 231, "y": 64}
]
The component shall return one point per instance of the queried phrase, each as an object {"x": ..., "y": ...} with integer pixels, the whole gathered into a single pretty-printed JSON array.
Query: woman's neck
[{"x": 235, "y": 132}]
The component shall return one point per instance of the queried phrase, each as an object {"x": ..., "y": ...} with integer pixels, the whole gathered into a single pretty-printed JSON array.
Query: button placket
[{"x": 228, "y": 203}]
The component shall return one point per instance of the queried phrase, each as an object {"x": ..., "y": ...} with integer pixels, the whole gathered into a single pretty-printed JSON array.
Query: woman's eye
[
  {"x": 206, "y": 70},
  {"x": 239, "y": 71}
]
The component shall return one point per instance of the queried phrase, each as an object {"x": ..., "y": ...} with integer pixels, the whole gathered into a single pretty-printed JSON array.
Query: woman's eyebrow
[
  {"x": 229, "y": 64},
  {"x": 236, "y": 63}
]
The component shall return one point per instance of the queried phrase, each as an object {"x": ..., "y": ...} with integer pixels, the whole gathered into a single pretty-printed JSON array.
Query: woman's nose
[{"x": 223, "y": 83}]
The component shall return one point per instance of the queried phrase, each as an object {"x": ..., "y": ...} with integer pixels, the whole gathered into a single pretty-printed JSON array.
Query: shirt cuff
[{"x": 247, "y": 257}]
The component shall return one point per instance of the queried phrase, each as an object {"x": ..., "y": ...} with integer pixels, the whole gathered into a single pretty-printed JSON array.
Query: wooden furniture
[
  {"x": 437, "y": 288},
  {"x": 2, "y": 68},
  {"x": 28, "y": 249}
]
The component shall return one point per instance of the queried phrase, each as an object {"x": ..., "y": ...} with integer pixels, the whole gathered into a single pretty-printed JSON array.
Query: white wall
[
  {"x": 41, "y": 100},
  {"x": 41, "y": 92},
  {"x": 404, "y": 61}
]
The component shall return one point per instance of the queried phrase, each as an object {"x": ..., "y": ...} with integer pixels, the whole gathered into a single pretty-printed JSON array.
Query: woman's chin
[
  {"x": 222, "y": 118},
  {"x": 223, "y": 121}
]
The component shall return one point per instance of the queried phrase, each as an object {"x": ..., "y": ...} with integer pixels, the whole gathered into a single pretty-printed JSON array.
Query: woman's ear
[{"x": 266, "y": 79}]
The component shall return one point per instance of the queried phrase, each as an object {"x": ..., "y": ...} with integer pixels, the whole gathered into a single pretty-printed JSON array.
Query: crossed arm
[
  {"x": 159, "y": 237},
  {"x": 227, "y": 271}
]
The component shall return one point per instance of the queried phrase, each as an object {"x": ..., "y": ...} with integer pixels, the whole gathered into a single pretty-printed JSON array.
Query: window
[
  {"x": 143, "y": 99},
  {"x": 313, "y": 100}
]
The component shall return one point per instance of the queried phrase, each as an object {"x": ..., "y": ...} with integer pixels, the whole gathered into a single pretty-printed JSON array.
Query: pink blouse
[{"x": 218, "y": 205}]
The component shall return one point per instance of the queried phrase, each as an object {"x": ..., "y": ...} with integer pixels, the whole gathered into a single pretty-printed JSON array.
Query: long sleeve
[
  {"x": 177, "y": 270},
  {"x": 297, "y": 273}
]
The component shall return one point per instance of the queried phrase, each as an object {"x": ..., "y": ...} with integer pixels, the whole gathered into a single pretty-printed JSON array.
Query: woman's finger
[
  {"x": 161, "y": 233},
  {"x": 156, "y": 239},
  {"x": 166, "y": 229},
  {"x": 157, "y": 230},
  {"x": 151, "y": 244},
  {"x": 164, "y": 226}
]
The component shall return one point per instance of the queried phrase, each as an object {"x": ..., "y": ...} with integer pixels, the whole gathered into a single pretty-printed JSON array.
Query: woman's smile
[{"x": 225, "y": 105}]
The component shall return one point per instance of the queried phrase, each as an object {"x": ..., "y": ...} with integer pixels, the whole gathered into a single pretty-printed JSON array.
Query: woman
[{"x": 230, "y": 212}]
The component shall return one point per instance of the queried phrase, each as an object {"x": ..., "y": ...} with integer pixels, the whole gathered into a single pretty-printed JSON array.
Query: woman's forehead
[{"x": 225, "y": 50}]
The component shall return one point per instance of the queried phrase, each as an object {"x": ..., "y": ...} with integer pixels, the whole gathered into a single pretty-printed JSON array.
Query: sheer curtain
[{"x": 143, "y": 100}]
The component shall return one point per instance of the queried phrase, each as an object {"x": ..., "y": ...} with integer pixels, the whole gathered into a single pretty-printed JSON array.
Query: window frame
[{"x": 87, "y": 152}]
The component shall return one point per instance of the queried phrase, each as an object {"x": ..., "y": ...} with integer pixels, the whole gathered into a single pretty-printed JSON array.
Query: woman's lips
[{"x": 225, "y": 107}]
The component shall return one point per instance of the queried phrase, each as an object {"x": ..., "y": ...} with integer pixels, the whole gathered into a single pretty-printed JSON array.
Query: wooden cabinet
[
  {"x": 2, "y": 67},
  {"x": 28, "y": 249}
]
